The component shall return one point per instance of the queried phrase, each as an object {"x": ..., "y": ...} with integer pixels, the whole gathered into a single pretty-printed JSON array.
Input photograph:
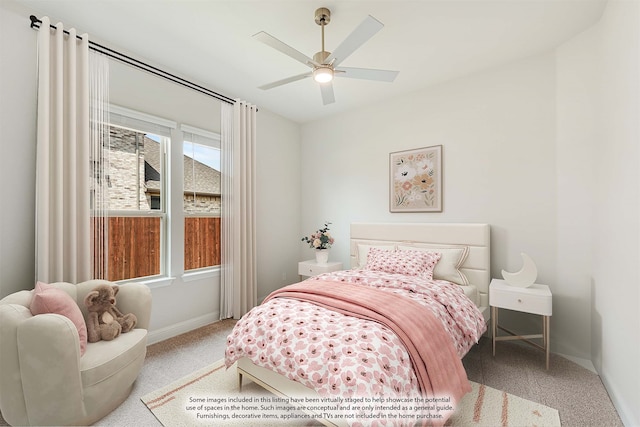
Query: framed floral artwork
[{"x": 415, "y": 178}]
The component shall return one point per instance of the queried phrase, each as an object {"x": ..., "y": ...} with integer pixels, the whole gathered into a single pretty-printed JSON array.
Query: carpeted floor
[{"x": 577, "y": 393}]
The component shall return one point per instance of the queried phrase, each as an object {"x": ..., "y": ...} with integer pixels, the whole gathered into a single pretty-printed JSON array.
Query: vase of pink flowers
[{"x": 321, "y": 241}]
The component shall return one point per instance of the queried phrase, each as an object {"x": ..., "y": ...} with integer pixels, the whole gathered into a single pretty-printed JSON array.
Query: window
[
  {"x": 132, "y": 195},
  {"x": 201, "y": 200},
  {"x": 143, "y": 207}
]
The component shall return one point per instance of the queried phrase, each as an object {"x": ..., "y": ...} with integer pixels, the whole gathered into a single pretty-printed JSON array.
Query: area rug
[{"x": 210, "y": 397}]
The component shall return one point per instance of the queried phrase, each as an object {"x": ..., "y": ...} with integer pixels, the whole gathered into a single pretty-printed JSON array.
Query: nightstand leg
[
  {"x": 546, "y": 330},
  {"x": 494, "y": 322}
]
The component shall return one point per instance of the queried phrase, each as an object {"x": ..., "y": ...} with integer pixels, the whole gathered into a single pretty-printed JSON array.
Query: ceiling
[{"x": 427, "y": 41}]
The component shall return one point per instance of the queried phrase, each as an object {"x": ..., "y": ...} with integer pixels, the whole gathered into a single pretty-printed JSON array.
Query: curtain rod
[{"x": 35, "y": 23}]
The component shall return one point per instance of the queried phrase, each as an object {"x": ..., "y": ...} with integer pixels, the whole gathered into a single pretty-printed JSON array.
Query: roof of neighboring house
[{"x": 198, "y": 177}]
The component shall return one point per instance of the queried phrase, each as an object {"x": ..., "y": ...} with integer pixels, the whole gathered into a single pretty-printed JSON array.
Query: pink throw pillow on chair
[{"x": 49, "y": 299}]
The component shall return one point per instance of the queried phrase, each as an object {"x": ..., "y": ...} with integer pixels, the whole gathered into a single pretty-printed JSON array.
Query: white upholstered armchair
[{"x": 44, "y": 380}]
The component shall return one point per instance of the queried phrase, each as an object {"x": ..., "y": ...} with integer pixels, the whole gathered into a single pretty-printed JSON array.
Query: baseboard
[
  {"x": 182, "y": 327},
  {"x": 624, "y": 410}
]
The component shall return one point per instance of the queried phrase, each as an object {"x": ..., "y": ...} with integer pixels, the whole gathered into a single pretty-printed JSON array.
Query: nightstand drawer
[
  {"x": 311, "y": 268},
  {"x": 535, "y": 299},
  {"x": 525, "y": 303}
]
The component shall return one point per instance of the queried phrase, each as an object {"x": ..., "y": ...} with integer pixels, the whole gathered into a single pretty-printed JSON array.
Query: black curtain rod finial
[{"x": 35, "y": 22}]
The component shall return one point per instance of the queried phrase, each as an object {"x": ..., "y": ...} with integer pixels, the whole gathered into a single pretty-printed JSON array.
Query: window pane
[
  {"x": 133, "y": 247},
  {"x": 202, "y": 205},
  {"x": 129, "y": 178},
  {"x": 201, "y": 242},
  {"x": 201, "y": 179},
  {"x": 134, "y": 178}
]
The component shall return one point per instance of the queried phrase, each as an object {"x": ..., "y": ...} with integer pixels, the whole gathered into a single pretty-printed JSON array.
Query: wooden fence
[
  {"x": 201, "y": 242},
  {"x": 133, "y": 246}
]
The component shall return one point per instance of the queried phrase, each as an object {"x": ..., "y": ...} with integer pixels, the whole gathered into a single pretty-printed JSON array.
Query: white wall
[
  {"x": 578, "y": 134},
  {"x": 598, "y": 197},
  {"x": 616, "y": 279},
  {"x": 17, "y": 149},
  {"x": 278, "y": 200},
  {"x": 497, "y": 129}
]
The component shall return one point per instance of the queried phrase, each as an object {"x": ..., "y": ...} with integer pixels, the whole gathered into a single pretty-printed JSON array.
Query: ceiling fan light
[{"x": 323, "y": 74}]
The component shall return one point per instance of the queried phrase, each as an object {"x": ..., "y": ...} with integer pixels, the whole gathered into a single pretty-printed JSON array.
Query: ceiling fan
[{"x": 324, "y": 65}]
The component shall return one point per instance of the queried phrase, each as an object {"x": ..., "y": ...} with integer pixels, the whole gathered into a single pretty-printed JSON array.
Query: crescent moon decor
[{"x": 525, "y": 277}]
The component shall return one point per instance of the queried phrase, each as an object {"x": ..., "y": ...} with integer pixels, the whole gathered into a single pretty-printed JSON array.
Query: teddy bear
[{"x": 105, "y": 321}]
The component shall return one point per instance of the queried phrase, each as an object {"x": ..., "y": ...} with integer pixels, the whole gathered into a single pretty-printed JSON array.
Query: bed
[{"x": 265, "y": 355}]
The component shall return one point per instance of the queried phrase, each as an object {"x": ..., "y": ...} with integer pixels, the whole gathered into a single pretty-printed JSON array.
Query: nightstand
[
  {"x": 536, "y": 299},
  {"x": 312, "y": 268}
]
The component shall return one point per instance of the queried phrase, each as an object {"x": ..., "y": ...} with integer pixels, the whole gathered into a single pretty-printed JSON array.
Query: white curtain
[
  {"x": 62, "y": 165},
  {"x": 239, "y": 292}
]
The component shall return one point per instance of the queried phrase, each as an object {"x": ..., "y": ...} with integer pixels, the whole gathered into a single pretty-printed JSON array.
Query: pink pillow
[
  {"x": 49, "y": 299},
  {"x": 410, "y": 263}
]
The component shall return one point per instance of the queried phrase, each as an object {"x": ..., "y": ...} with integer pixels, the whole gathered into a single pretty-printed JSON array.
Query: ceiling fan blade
[
  {"x": 284, "y": 81},
  {"x": 326, "y": 90},
  {"x": 269, "y": 40},
  {"x": 367, "y": 29},
  {"x": 367, "y": 73}
]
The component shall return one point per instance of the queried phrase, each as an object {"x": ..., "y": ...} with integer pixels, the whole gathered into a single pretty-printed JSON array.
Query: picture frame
[{"x": 415, "y": 180}]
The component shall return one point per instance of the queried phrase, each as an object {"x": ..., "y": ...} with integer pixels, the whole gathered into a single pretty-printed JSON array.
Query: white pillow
[
  {"x": 363, "y": 252},
  {"x": 451, "y": 259}
]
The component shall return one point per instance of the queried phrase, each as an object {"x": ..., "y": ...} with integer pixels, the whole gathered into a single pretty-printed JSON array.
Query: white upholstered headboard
[{"x": 476, "y": 267}]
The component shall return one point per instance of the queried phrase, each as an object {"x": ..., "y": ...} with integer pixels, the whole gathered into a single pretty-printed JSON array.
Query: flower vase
[{"x": 322, "y": 256}]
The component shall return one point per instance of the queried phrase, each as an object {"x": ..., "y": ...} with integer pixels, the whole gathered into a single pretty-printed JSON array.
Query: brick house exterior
[{"x": 133, "y": 181}]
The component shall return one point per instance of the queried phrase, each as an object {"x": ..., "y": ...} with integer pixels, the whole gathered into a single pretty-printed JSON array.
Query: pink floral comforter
[{"x": 336, "y": 354}]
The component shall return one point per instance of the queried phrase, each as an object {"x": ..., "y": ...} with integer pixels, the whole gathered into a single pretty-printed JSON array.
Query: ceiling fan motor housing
[
  {"x": 320, "y": 57},
  {"x": 322, "y": 16}
]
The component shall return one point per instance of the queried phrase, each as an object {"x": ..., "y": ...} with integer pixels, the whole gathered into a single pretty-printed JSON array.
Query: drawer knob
[{"x": 519, "y": 300}]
